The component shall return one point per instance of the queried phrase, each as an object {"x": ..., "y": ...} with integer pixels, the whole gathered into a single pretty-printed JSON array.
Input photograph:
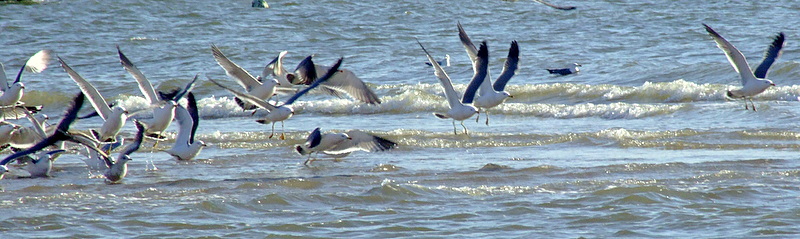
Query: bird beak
[
  {"x": 510, "y": 96},
  {"x": 773, "y": 84}
]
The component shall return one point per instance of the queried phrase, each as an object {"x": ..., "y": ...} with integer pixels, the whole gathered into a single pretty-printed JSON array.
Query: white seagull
[
  {"x": 463, "y": 109},
  {"x": 340, "y": 145},
  {"x": 343, "y": 82},
  {"x": 446, "y": 61},
  {"x": 186, "y": 147},
  {"x": 12, "y": 92},
  {"x": 279, "y": 113},
  {"x": 491, "y": 95},
  {"x": 275, "y": 69},
  {"x": 26, "y": 137},
  {"x": 114, "y": 118},
  {"x": 752, "y": 84},
  {"x": 43, "y": 165},
  {"x": 164, "y": 109},
  {"x": 252, "y": 85},
  {"x": 60, "y": 134},
  {"x": 119, "y": 168}
]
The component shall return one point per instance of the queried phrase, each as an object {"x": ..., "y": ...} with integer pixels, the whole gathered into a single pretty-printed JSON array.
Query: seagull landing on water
[
  {"x": 463, "y": 109},
  {"x": 572, "y": 69},
  {"x": 339, "y": 145},
  {"x": 753, "y": 83},
  {"x": 119, "y": 168},
  {"x": 186, "y": 147}
]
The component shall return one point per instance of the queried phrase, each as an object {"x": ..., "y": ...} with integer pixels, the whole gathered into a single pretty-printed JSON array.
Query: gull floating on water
[
  {"x": 752, "y": 83},
  {"x": 444, "y": 62},
  {"x": 566, "y": 8},
  {"x": 491, "y": 95},
  {"x": 113, "y": 118},
  {"x": 343, "y": 82},
  {"x": 163, "y": 109},
  {"x": 252, "y": 85},
  {"x": 12, "y": 92},
  {"x": 281, "y": 112},
  {"x": 186, "y": 146},
  {"x": 119, "y": 168},
  {"x": 463, "y": 109},
  {"x": 340, "y": 145},
  {"x": 572, "y": 69},
  {"x": 60, "y": 134}
]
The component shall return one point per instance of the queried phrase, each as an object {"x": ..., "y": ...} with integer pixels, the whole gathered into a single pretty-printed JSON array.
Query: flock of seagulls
[{"x": 40, "y": 144}]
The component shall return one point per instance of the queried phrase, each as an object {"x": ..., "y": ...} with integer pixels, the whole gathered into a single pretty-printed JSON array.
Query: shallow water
[{"x": 641, "y": 143}]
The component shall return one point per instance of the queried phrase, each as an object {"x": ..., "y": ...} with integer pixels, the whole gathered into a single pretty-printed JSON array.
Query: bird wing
[
  {"x": 191, "y": 108},
  {"x": 36, "y": 64},
  {"x": 275, "y": 68},
  {"x": 144, "y": 85},
  {"x": 363, "y": 141},
  {"x": 735, "y": 57},
  {"x": 137, "y": 140},
  {"x": 317, "y": 82},
  {"x": 185, "y": 123},
  {"x": 3, "y": 79},
  {"x": 246, "y": 97},
  {"x": 482, "y": 64},
  {"x": 177, "y": 94},
  {"x": 37, "y": 126},
  {"x": 509, "y": 69},
  {"x": 472, "y": 51},
  {"x": 772, "y": 54},
  {"x": 449, "y": 92},
  {"x": 314, "y": 138},
  {"x": 346, "y": 81},
  {"x": 244, "y": 78},
  {"x": 97, "y": 100},
  {"x": 305, "y": 72}
]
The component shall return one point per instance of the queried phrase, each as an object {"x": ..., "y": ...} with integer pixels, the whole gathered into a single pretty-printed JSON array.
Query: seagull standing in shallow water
[
  {"x": 753, "y": 83},
  {"x": 463, "y": 109},
  {"x": 340, "y": 145},
  {"x": 113, "y": 118},
  {"x": 279, "y": 113}
]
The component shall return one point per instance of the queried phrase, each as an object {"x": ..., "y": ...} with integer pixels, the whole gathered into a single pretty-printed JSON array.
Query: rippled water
[{"x": 641, "y": 143}]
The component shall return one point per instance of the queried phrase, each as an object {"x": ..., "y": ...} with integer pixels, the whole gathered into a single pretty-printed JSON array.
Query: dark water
[{"x": 641, "y": 143}]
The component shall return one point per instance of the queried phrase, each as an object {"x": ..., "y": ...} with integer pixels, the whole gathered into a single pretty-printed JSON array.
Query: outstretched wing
[
  {"x": 244, "y": 78},
  {"x": 360, "y": 140},
  {"x": 316, "y": 83},
  {"x": 482, "y": 65},
  {"x": 246, "y": 97},
  {"x": 97, "y": 100},
  {"x": 735, "y": 57},
  {"x": 144, "y": 84},
  {"x": 509, "y": 69},
  {"x": 772, "y": 54},
  {"x": 449, "y": 92}
]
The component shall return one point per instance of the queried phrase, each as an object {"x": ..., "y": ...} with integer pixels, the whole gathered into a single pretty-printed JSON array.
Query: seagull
[
  {"x": 444, "y": 62},
  {"x": 6, "y": 132},
  {"x": 340, "y": 145},
  {"x": 252, "y": 85},
  {"x": 491, "y": 95},
  {"x": 279, "y": 113},
  {"x": 114, "y": 118},
  {"x": 12, "y": 92},
  {"x": 119, "y": 168},
  {"x": 752, "y": 83},
  {"x": 572, "y": 69},
  {"x": 186, "y": 147},
  {"x": 164, "y": 109},
  {"x": 26, "y": 137},
  {"x": 275, "y": 69},
  {"x": 343, "y": 82},
  {"x": 461, "y": 110},
  {"x": 60, "y": 134}
]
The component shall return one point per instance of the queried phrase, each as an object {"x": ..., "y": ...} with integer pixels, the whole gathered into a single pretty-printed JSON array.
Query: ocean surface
[{"x": 642, "y": 143}]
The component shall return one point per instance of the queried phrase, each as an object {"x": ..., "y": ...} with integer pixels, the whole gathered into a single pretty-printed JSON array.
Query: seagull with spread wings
[{"x": 339, "y": 145}]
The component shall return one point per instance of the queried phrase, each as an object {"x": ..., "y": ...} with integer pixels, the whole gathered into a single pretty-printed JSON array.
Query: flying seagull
[
  {"x": 12, "y": 92},
  {"x": 752, "y": 83},
  {"x": 163, "y": 109},
  {"x": 340, "y": 145},
  {"x": 113, "y": 118},
  {"x": 252, "y": 85},
  {"x": 490, "y": 95},
  {"x": 343, "y": 82},
  {"x": 463, "y": 109},
  {"x": 281, "y": 112}
]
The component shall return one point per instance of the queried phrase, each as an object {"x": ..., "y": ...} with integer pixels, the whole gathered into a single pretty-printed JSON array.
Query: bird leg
[
  {"x": 479, "y": 116},
  {"x": 465, "y": 128},
  {"x": 455, "y": 132},
  {"x": 254, "y": 112},
  {"x": 309, "y": 160},
  {"x": 273, "y": 130},
  {"x": 753, "y": 104},
  {"x": 487, "y": 117}
]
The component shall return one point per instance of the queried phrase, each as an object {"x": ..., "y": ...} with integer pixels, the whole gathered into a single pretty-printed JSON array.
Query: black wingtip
[
  {"x": 513, "y": 52},
  {"x": 385, "y": 144},
  {"x": 483, "y": 52}
]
